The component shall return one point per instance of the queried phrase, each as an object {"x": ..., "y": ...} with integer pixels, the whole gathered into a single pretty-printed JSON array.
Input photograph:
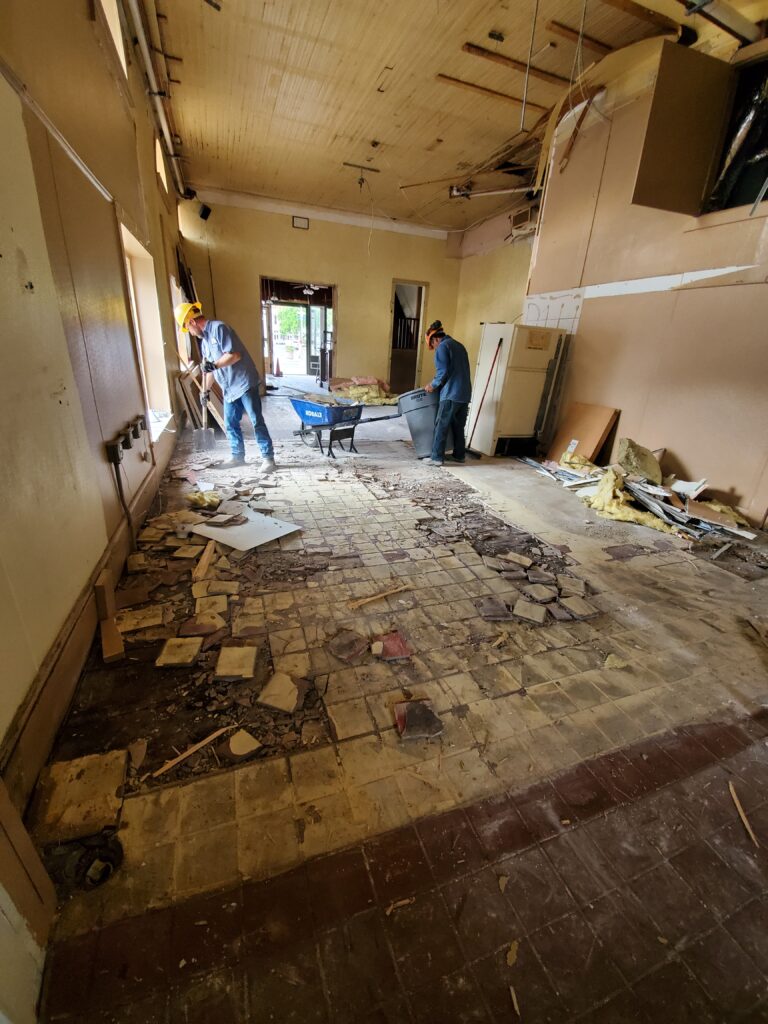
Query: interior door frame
[{"x": 424, "y": 286}]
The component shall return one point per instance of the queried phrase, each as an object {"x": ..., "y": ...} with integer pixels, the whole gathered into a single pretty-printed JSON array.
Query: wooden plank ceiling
[{"x": 273, "y": 96}]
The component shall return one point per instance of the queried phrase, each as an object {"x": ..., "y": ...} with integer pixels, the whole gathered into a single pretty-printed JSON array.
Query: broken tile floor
[{"x": 353, "y": 876}]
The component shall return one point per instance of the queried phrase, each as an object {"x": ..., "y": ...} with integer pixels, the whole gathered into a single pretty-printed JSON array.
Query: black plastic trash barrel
[{"x": 420, "y": 411}]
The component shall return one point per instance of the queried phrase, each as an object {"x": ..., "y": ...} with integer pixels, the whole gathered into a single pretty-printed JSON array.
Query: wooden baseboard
[{"x": 30, "y": 738}]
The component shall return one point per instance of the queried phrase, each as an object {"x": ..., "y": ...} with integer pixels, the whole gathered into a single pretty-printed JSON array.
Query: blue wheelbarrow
[{"x": 340, "y": 420}]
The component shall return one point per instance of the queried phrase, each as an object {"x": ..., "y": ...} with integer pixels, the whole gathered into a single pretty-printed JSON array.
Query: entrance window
[
  {"x": 145, "y": 311},
  {"x": 297, "y": 328}
]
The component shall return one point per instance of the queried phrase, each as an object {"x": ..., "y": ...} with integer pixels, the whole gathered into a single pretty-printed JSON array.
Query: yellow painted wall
[
  {"x": 72, "y": 327},
  {"x": 247, "y": 244},
  {"x": 491, "y": 289},
  {"x": 52, "y": 528}
]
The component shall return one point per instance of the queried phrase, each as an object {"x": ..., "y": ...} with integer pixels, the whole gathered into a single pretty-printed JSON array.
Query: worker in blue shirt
[
  {"x": 227, "y": 361},
  {"x": 453, "y": 382}
]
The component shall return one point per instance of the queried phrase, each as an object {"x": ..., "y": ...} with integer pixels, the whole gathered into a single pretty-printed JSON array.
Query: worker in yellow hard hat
[{"x": 227, "y": 361}]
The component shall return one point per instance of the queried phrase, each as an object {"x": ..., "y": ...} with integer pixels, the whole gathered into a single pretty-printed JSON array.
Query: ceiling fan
[{"x": 308, "y": 289}]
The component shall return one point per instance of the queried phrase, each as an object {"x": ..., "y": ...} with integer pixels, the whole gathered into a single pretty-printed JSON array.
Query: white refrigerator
[{"x": 508, "y": 383}]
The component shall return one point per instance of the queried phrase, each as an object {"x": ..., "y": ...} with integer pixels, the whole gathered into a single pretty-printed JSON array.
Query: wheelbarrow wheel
[{"x": 310, "y": 438}]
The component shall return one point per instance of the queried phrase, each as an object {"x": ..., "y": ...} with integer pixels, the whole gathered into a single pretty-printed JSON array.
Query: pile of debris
[
  {"x": 634, "y": 490},
  {"x": 366, "y": 390}
]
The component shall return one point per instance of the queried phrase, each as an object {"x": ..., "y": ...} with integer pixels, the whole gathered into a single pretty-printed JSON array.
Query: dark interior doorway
[{"x": 407, "y": 309}]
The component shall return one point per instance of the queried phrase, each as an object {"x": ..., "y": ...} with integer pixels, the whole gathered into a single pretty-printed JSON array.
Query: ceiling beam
[
  {"x": 646, "y": 14},
  {"x": 472, "y": 87},
  {"x": 514, "y": 65},
  {"x": 558, "y": 29}
]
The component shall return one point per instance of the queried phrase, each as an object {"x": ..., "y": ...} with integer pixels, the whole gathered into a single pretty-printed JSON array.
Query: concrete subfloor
[{"x": 609, "y": 740}]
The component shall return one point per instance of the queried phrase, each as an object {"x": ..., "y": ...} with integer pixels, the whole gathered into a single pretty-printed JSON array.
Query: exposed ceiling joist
[
  {"x": 574, "y": 36},
  {"x": 514, "y": 65},
  {"x": 643, "y": 13},
  {"x": 485, "y": 91}
]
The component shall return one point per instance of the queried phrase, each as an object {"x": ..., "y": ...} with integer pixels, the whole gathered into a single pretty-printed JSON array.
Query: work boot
[
  {"x": 231, "y": 463},
  {"x": 435, "y": 463},
  {"x": 267, "y": 466}
]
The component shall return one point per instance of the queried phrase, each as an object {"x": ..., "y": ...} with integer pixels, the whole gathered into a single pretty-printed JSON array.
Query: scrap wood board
[
  {"x": 589, "y": 425},
  {"x": 258, "y": 530}
]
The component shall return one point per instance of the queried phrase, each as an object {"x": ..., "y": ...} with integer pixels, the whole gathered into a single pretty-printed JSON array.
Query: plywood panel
[
  {"x": 680, "y": 151},
  {"x": 565, "y": 221},
  {"x": 588, "y": 425}
]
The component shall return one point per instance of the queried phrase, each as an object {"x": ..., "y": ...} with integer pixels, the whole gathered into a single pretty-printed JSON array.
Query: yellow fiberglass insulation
[
  {"x": 613, "y": 502},
  {"x": 570, "y": 460}
]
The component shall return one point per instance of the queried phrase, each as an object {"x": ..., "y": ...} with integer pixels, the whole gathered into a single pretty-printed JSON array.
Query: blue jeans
[
  {"x": 250, "y": 403},
  {"x": 450, "y": 414}
]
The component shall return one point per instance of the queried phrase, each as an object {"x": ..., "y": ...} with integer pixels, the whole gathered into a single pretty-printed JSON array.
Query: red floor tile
[{"x": 397, "y": 865}]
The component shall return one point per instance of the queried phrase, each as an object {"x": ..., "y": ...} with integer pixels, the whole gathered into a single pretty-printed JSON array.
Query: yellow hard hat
[{"x": 186, "y": 311}]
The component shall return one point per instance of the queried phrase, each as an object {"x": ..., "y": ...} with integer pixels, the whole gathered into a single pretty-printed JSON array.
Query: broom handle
[{"x": 485, "y": 392}]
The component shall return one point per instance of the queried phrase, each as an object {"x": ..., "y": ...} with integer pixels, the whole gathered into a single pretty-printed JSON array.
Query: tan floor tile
[
  {"x": 434, "y": 691},
  {"x": 207, "y": 802},
  {"x": 297, "y": 665},
  {"x": 512, "y": 762},
  {"x": 363, "y": 760},
  {"x": 470, "y": 776},
  {"x": 378, "y": 806},
  {"x": 550, "y": 749},
  {"x": 268, "y": 844},
  {"x": 463, "y": 688},
  {"x": 342, "y": 685},
  {"x": 350, "y": 719},
  {"x": 155, "y": 815},
  {"x": 456, "y": 735},
  {"x": 286, "y": 641},
  {"x": 263, "y": 787},
  {"x": 488, "y": 722},
  {"x": 207, "y": 860},
  {"x": 381, "y": 706},
  {"x": 327, "y": 824},
  {"x": 315, "y": 774},
  {"x": 425, "y": 789}
]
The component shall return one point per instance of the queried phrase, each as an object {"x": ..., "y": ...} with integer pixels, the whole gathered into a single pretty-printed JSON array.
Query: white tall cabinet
[{"x": 509, "y": 382}]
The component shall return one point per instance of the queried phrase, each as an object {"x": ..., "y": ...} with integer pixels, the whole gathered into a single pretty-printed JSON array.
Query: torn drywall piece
[
  {"x": 257, "y": 530},
  {"x": 140, "y": 618}
]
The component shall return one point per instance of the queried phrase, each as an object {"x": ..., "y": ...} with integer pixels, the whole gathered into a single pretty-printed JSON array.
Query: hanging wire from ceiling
[{"x": 528, "y": 65}]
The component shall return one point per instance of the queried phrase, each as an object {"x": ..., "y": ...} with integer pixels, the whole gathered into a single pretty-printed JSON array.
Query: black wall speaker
[{"x": 205, "y": 211}]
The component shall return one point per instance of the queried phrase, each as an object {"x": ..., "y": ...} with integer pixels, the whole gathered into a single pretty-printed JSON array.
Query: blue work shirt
[
  {"x": 217, "y": 340},
  {"x": 452, "y": 371}
]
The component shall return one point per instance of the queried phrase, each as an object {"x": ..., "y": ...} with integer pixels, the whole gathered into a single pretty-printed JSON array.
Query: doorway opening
[
  {"x": 407, "y": 314},
  {"x": 145, "y": 312},
  {"x": 298, "y": 328}
]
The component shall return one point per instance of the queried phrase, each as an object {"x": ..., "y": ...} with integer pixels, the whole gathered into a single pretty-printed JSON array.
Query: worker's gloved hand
[
  {"x": 428, "y": 388},
  {"x": 204, "y": 396},
  {"x": 208, "y": 366}
]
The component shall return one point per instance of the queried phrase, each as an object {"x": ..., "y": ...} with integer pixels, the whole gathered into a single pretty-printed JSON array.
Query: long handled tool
[
  {"x": 203, "y": 437},
  {"x": 485, "y": 392}
]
